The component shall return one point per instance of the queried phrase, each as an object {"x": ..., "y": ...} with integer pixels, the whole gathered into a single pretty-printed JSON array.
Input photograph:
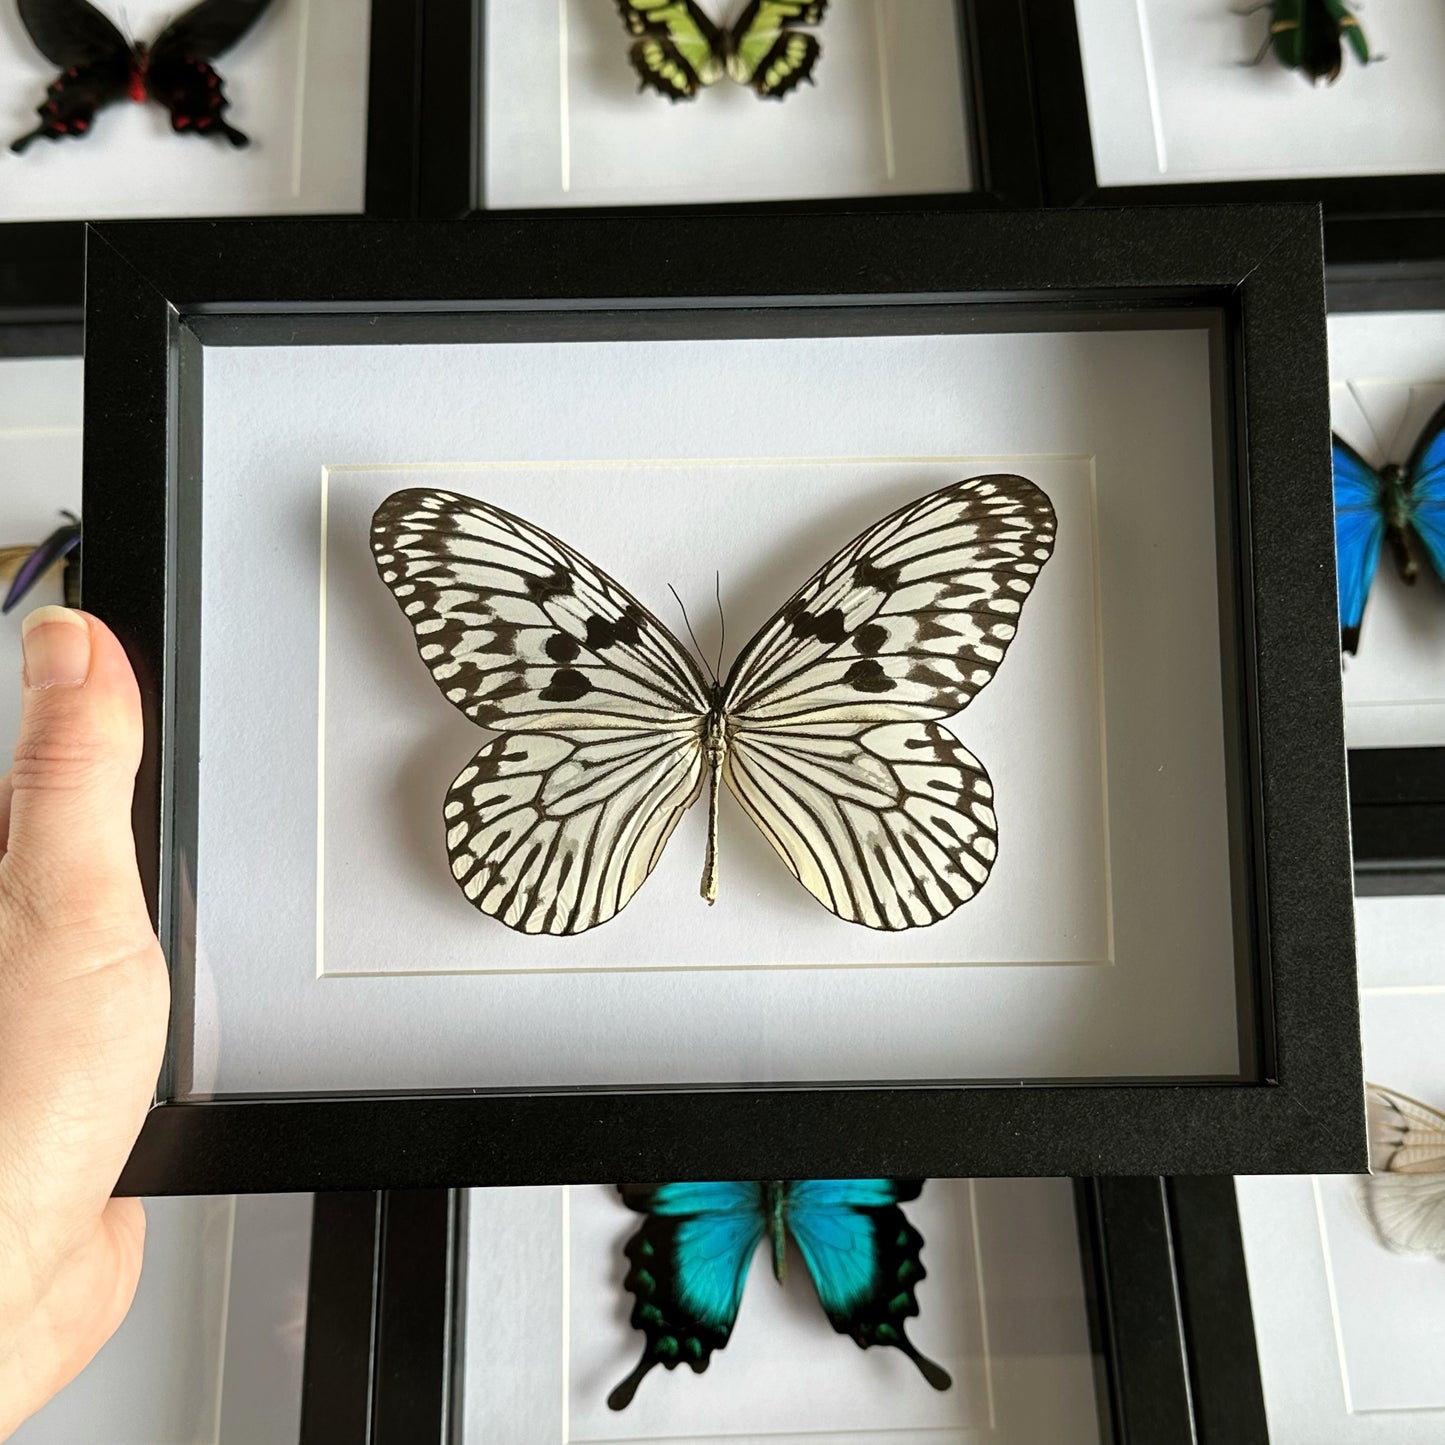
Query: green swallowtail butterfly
[
  {"x": 679, "y": 50},
  {"x": 689, "y": 1263}
]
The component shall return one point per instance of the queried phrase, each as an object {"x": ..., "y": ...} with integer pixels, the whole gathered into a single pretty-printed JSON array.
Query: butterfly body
[
  {"x": 1399, "y": 506},
  {"x": 101, "y": 67},
  {"x": 689, "y": 1261},
  {"x": 679, "y": 50},
  {"x": 825, "y": 729}
]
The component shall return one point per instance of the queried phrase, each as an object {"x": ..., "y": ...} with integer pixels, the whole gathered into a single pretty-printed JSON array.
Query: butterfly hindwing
[
  {"x": 678, "y": 50},
  {"x": 94, "y": 60},
  {"x": 179, "y": 75},
  {"x": 766, "y": 54},
  {"x": 687, "y": 1265},
  {"x": 864, "y": 1259},
  {"x": 1359, "y": 492},
  {"x": 879, "y": 812},
  {"x": 554, "y": 826}
]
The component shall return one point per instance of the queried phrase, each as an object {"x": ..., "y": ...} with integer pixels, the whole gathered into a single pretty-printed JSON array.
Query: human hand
[{"x": 83, "y": 1006}]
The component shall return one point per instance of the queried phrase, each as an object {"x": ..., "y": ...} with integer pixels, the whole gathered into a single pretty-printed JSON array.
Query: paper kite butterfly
[
  {"x": 825, "y": 730},
  {"x": 689, "y": 1262},
  {"x": 678, "y": 50},
  {"x": 1401, "y": 505},
  {"x": 25, "y": 566},
  {"x": 100, "y": 66},
  {"x": 1405, "y": 1195}
]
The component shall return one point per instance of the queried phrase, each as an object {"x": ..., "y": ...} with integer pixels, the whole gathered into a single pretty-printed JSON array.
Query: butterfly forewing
[
  {"x": 1405, "y": 1197},
  {"x": 1425, "y": 479},
  {"x": 881, "y": 814},
  {"x": 555, "y": 825}
]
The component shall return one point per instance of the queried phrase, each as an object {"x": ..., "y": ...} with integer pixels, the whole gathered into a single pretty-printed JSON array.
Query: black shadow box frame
[
  {"x": 1397, "y": 795},
  {"x": 1168, "y": 1298},
  {"x": 997, "y": 90},
  {"x": 155, "y": 300},
  {"x": 42, "y": 263},
  {"x": 1067, "y": 149}
]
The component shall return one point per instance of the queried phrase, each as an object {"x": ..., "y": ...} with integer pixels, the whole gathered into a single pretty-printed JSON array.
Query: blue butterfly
[
  {"x": 689, "y": 1262},
  {"x": 1401, "y": 505}
]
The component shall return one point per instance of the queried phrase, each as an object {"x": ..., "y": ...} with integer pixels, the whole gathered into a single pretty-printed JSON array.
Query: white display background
[
  {"x": 1001, "y": 1308},
  {"x": 565, "y": 125},
  {"x": 767, "y": 527},
  {"x": 1170, "y": 102},
  {"x": 278, "y": 419},
  {"x": 297, "y": 83},
  {"x": 1351, "y": 1334},
  {"x": 40, "y": 412},
  {"x": 211, "y": 1351},
  {"x": 1387, "y": 377}
]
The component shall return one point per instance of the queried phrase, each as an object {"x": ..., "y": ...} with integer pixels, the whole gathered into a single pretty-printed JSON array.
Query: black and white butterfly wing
[
  {"x": 94, "y": 60},
  {"x": 1405, "y": 1197},
  {"x": 835, "y": 751},
  {"x": 553, "y": 826},
  {"x": 179, "y": 74}
]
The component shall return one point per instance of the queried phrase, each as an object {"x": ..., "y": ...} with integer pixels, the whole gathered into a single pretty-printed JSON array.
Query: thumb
[{"x": 76, "y": 758}]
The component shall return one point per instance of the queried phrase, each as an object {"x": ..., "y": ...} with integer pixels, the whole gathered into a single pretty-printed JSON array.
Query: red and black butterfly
[{"x": 101, "y": 66}]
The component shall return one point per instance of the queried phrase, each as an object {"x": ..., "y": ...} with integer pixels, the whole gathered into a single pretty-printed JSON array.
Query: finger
[
  {"x": 76, "y": 757},
  {"x": 4, "y": 814}
]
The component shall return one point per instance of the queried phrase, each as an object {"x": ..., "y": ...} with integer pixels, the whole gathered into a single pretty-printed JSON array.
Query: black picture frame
[
  {"x": 153, "y": 296},
  {"x": 1067, "y": 150},
  {"x": 42, "y": 263},
  {"x": 1397, "y": 795},
  {"x": 1170, "y": 1319},
  {"x": 998, "y": 91}
]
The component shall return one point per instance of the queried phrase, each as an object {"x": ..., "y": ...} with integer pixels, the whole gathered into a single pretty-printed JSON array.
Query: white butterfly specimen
[
  {"x": 825, "y": 730},
  {"x": 1405, "y": 1196}
]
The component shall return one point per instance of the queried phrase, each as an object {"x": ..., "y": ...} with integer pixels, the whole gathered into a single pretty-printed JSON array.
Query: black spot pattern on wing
[
  {"x": 825, "y": 626},
  {"x": 867, "y": 573},
  {"x": 567, "y": 685},
  {"x": 868, "y": 676},
  {"x": 544, "y": 589},
  {"x": 602, "y": 632},
  {"x": 562, "y": 648},
  {"x": 870, "y": 638}
]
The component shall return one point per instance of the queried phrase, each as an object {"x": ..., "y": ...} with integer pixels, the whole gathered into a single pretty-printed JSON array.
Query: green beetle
[{"x": 1306, "y": 36}]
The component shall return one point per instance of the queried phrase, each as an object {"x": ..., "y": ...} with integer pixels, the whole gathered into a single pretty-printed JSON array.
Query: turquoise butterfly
[{"x": 689, "y": 1263}]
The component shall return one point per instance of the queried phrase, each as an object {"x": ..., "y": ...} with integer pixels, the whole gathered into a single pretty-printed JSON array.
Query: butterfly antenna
[
  {"x": 688, "y": 624},
  {"x": 722, "y": 623}
]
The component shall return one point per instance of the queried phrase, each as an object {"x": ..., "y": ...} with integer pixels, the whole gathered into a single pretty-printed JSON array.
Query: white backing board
[
  {"x": 1387, "y": 378},
  {"x": 1135, "y": 406},
  {"x": 211, "y": 1351},
  {"x": 1350, "y": 1334},
  {"x": 566, "y": 126},
  {"x": 297, "y": 83},
  {"x": 40, "y": 411},
  {"x": 1170, "y": 101},
  {"x": 1001, "y": 1308}
]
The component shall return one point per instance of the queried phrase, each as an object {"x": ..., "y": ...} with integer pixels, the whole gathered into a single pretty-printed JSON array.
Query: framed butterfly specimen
[
  {"x": 1405, "y": 1193},
  {"x": 1401, "y": 505},
  {"x": 1306, "y": 34},
  {"x": 99, "y": 66},
  {"x": 25, "y": 566},
  {"x": 826, "y": 730},
  {"x": 679, "y": 50},
  {"x": 689, "y": 1262}
]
